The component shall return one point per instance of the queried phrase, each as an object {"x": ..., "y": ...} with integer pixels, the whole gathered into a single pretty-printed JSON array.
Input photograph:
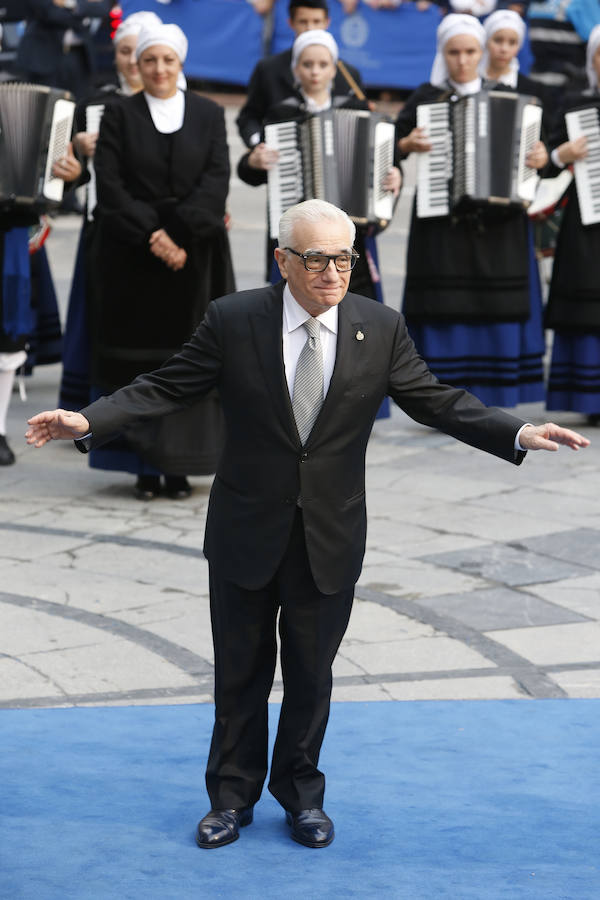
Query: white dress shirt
[{"x": 294, "y": 338}]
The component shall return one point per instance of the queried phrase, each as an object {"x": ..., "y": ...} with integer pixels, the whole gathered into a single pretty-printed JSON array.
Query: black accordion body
[
  {"x": 479, "y": 146},
  {"x": 585, "y": 122},
  {"x": 341, "y": 156},
  {"x": 35, "y": 129}
]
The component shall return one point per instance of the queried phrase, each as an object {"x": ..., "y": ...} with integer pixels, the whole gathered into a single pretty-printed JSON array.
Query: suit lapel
[
  {"x": 348, "y": 361},
  {"x": 267, "y": 327}
]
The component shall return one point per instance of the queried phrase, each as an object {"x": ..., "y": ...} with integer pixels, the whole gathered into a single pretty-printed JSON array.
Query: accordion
[
  {"x": 586, "y": 122},
  {"x": 479, "y": 146},
  {"x": 35, "y": 129},
  {"x": 341, "y": 156}
]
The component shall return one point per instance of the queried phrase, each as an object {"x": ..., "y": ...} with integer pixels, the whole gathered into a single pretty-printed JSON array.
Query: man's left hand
[{"x": 549, "y": 437}]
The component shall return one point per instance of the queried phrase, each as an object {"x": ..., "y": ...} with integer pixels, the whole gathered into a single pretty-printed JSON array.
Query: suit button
[{"x": 304, "y": 457}]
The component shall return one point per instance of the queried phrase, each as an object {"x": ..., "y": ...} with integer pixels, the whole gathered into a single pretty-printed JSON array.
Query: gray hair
[{"x": 312, "y": 211}]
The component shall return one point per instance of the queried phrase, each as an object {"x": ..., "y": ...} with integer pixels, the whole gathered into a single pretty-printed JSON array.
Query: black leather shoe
[
  {"x": 177, "y": 487},
  {"x": 311, "y": 827},
  {"x": 7, "y": 457},
  {"x": 147, "y": 487},
  {"x": 222, "y": 826}
]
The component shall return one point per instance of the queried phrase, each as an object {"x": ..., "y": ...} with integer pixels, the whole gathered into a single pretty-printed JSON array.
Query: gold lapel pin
[{"x": 360, "y": 336}]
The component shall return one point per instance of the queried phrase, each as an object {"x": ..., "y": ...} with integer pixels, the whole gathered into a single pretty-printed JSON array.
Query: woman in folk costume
[
  {"x": 505, "y": 32},
  {"x": 573, "y": 309},
  {"x": 314, "y": 60},
  {"x": 160, "y": 255},
  {"x": 75, "y": 381},
  {"x": 472, "y": 299}
]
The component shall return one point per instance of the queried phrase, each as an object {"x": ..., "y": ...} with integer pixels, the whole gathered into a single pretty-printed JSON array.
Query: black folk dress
[
  {"x": 142, "y": 311},
  {"x": 472, "y": 296},
  {"x": 573, "y": 309}
]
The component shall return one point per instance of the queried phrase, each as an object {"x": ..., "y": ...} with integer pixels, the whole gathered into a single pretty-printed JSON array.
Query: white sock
[{"x": 6, "y": 384}]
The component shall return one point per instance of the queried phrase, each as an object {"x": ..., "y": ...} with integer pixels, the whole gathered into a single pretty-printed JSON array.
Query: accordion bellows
[
  {"x": 341, "y": 156},
  {"x": 35, "y": 129}
]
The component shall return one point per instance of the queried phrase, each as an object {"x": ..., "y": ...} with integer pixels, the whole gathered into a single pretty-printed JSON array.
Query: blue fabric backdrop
[
  {"x": 225, "y": 35},
  {"x": 391, "y": 48}
]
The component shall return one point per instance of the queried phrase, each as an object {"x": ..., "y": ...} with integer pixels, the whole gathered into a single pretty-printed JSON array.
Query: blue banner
[
  {"x": 225, "y": 36},
  {"x": 389, "y": 47}
]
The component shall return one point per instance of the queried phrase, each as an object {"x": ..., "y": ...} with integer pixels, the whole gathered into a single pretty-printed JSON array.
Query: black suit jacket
[
  {"x": 264, "y": 468},
  {"x": 270, "y": 83},
  {"x": 41, "y": 47}
]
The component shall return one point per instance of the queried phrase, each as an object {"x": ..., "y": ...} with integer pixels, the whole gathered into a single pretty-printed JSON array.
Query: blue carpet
[{"x": 431, "y": 800}]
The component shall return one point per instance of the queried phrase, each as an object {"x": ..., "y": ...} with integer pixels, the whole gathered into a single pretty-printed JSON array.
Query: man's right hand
[{"x": 56, "y": 425}]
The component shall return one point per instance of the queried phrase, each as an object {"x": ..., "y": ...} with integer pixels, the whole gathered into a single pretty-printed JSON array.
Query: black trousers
[{"x": 311, "y": 628}]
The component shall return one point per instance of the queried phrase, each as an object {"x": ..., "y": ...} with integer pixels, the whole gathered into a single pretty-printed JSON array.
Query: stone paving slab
[
  {"x": 579, "y": 545},
  {"x": 501, "y": 607},
  {"x": 579, "y": 682},
  {"x": 554, "y": 644},
  {"x": 579, "y": 594},
  {"x": 506, "y": 564}
]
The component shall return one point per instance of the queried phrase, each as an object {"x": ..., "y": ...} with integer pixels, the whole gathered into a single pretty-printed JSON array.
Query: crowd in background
[{"x": 160, "y": 171}]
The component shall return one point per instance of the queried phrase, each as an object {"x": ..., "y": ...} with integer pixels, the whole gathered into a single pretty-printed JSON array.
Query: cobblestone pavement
[{"x": 481, "y": 580}]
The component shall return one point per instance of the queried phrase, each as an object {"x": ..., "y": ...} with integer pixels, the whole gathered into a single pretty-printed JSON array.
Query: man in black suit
[
  {"x": 272, "y": 80},
  {"x": 286, "y": 522},
  {"x": 57, "y": 47}
]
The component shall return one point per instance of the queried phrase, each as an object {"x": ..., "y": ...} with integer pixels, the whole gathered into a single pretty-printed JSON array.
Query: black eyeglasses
[{"x": 318, "y": 262}]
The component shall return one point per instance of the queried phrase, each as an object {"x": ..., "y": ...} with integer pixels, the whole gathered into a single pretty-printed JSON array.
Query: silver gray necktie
[{"x": 307, "y": 397}]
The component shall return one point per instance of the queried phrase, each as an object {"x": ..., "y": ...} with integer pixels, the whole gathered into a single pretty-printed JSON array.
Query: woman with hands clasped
[
  {"x": 160, "y": 255},
  {"x": 314, "y": 61},
  {"x": 574, "y": 300},
  {"x": 75, "y": 382},
  {"x": 472, "y": 296}
]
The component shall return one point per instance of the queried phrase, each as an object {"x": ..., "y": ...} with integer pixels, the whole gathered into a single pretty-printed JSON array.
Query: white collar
[
  {"x": 509, "y": 78},
  {"x": 294, "y": 315},
  {"x": 167, "y": 114},
  {"x": 469, "y": 87},
  {"x": 312, "y": 106}
]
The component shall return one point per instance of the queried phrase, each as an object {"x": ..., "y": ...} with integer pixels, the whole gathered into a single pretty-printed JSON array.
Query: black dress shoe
[
  {"x": 147, "y": 487},
  {"x": 311, "y": 827},
  {"x": 222, "y": 826},
  {"x": 177, "y": 487},
  {"x": 7, "y": 457}
]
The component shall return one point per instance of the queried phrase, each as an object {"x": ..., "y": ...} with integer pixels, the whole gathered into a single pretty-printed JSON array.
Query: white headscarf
[
  {"x": 592, "y": 45},
  {"x": 502, "y": 18},
  {"x": 167, "y": 35},
  {"x": 451, "y": 26},
  {"x": 314, "y": 36},
  {"x": 477, "y": 8},
  {"x": 134, "y": 23}
]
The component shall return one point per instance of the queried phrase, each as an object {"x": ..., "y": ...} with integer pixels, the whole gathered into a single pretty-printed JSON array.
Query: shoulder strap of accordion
[{"x": 351, "y": 82}]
